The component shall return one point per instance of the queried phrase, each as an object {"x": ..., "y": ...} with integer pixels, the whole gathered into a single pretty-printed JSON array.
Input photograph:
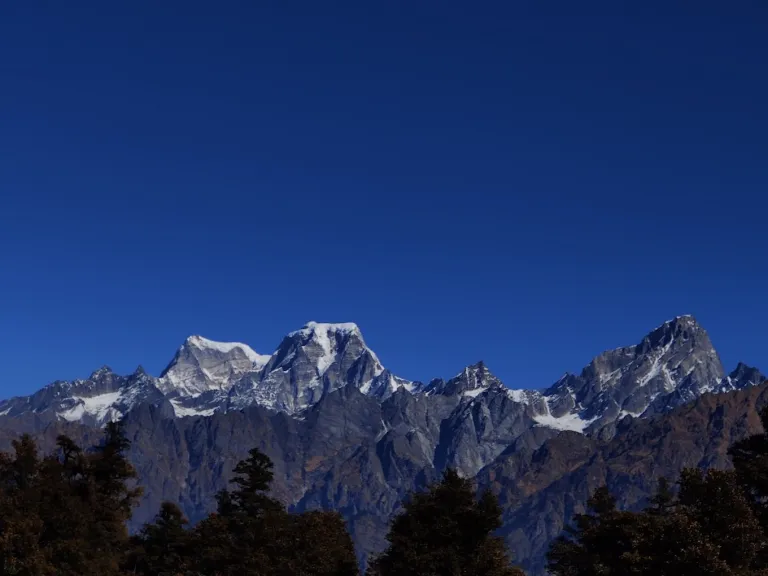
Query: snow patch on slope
[
  {"x": 100, "y": 407},
  {"x": 570, "y": 421},
  {"x": 325, "y": 327},
  {"x": 521, "y": 396},
  {"x": 183, "y": 412}
]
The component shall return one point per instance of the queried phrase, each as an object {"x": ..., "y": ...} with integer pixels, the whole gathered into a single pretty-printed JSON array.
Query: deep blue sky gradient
[{"x": 527, "y": 183}]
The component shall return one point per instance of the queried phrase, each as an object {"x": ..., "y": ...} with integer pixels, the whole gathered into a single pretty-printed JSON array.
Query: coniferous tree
[
  {"x": 717, "y": 503},
  {"x": 21, "y": 551},
  {"x": 247, "y": 535},
  {"x": 251, "y": 533},
  {"x": 111, "y": 472},
  {"x": 110, "y": 499},
  {"x": 318, "y": 544},
  {"x": 212, "y": 547},
  {"x": 663, "y": 501},
  {"x": 68, "y": 513},
  {"x": 253, "y": 478},
  {"x": 65, "y": 514},
  {"x": 161, "y": 548},
  {"x": 601, "y": 541},
  {"x": 446, "y": 531},
  {"x": 750, "y": 460},
  {"x": 708, "y": 529}
]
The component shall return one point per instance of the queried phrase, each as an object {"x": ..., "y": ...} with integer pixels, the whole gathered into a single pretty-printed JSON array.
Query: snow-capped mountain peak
[
  {"x": 471, "y": 381},
  {"x": 742, "y": 377},
  {"x": 259, "y": 360},
  {"x": 313, "y": 327},
  {"x": 325, "y": 343},
  {"x": 673, "y": 364},
  {"x": 312, "y": 361},
  {"x": 201, "y": 365},
  {"x": 101, "y": 373}
]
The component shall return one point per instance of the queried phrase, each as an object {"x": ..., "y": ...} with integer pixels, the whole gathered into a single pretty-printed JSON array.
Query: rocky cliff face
[
  {"x": 540, "y": 489},
  {"x": 672, "y": 365},
  {"x": 345, "y": 433}
]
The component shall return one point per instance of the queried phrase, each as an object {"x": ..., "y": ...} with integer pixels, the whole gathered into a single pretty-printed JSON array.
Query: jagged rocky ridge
[
  {"x": 347, "y": 434},
  {"x": 206, "y": 377},
  {"x": 671, "y": 366}
]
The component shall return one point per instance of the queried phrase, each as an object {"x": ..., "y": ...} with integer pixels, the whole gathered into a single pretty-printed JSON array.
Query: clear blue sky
[{"x": 527, "y": 183}]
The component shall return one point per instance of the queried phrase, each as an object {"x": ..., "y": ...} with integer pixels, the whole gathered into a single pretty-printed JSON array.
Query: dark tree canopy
[
  {"x": 446, "y": 531},
  {"x": 252, "y": 533},
  {"x": 65, "y": 514},
  {"x": 162, "y": 548},
  {"x": 605, "y": 540}
]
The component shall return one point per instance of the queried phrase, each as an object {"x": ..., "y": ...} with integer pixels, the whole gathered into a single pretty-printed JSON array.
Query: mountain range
[{"x": 346, "y": 433}]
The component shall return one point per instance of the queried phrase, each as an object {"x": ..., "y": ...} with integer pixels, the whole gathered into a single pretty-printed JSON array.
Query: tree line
[{"x": 66, "y": 514}]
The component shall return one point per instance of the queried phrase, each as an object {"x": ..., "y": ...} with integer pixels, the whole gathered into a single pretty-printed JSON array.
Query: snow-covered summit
[
  {"x": 313, "y": 327},
  {"x": 471, "y": 381},
  {"x": 311, "y": 362},
  {"x": 201, "y": 365},
  {"x": 325, "y": 341},
  {"x": 671, "y": 365},
  {"x": 201, "y": 343}
]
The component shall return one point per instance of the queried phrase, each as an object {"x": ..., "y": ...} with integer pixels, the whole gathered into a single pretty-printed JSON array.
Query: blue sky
[{"x": 527, "y": 183}]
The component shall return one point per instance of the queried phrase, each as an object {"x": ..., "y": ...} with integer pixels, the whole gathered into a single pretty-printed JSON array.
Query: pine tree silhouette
[
  {"x": 162, "y": 548},
  {"x": 446, "y": 531}
]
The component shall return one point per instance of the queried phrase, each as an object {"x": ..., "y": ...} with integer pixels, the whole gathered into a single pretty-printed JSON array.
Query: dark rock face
[
  {"x": 345, "y": 433},
  {"x": 672, "y": 365},
  {"x": 742, "y": 377},
  {"x": 541, "y": 489}
]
